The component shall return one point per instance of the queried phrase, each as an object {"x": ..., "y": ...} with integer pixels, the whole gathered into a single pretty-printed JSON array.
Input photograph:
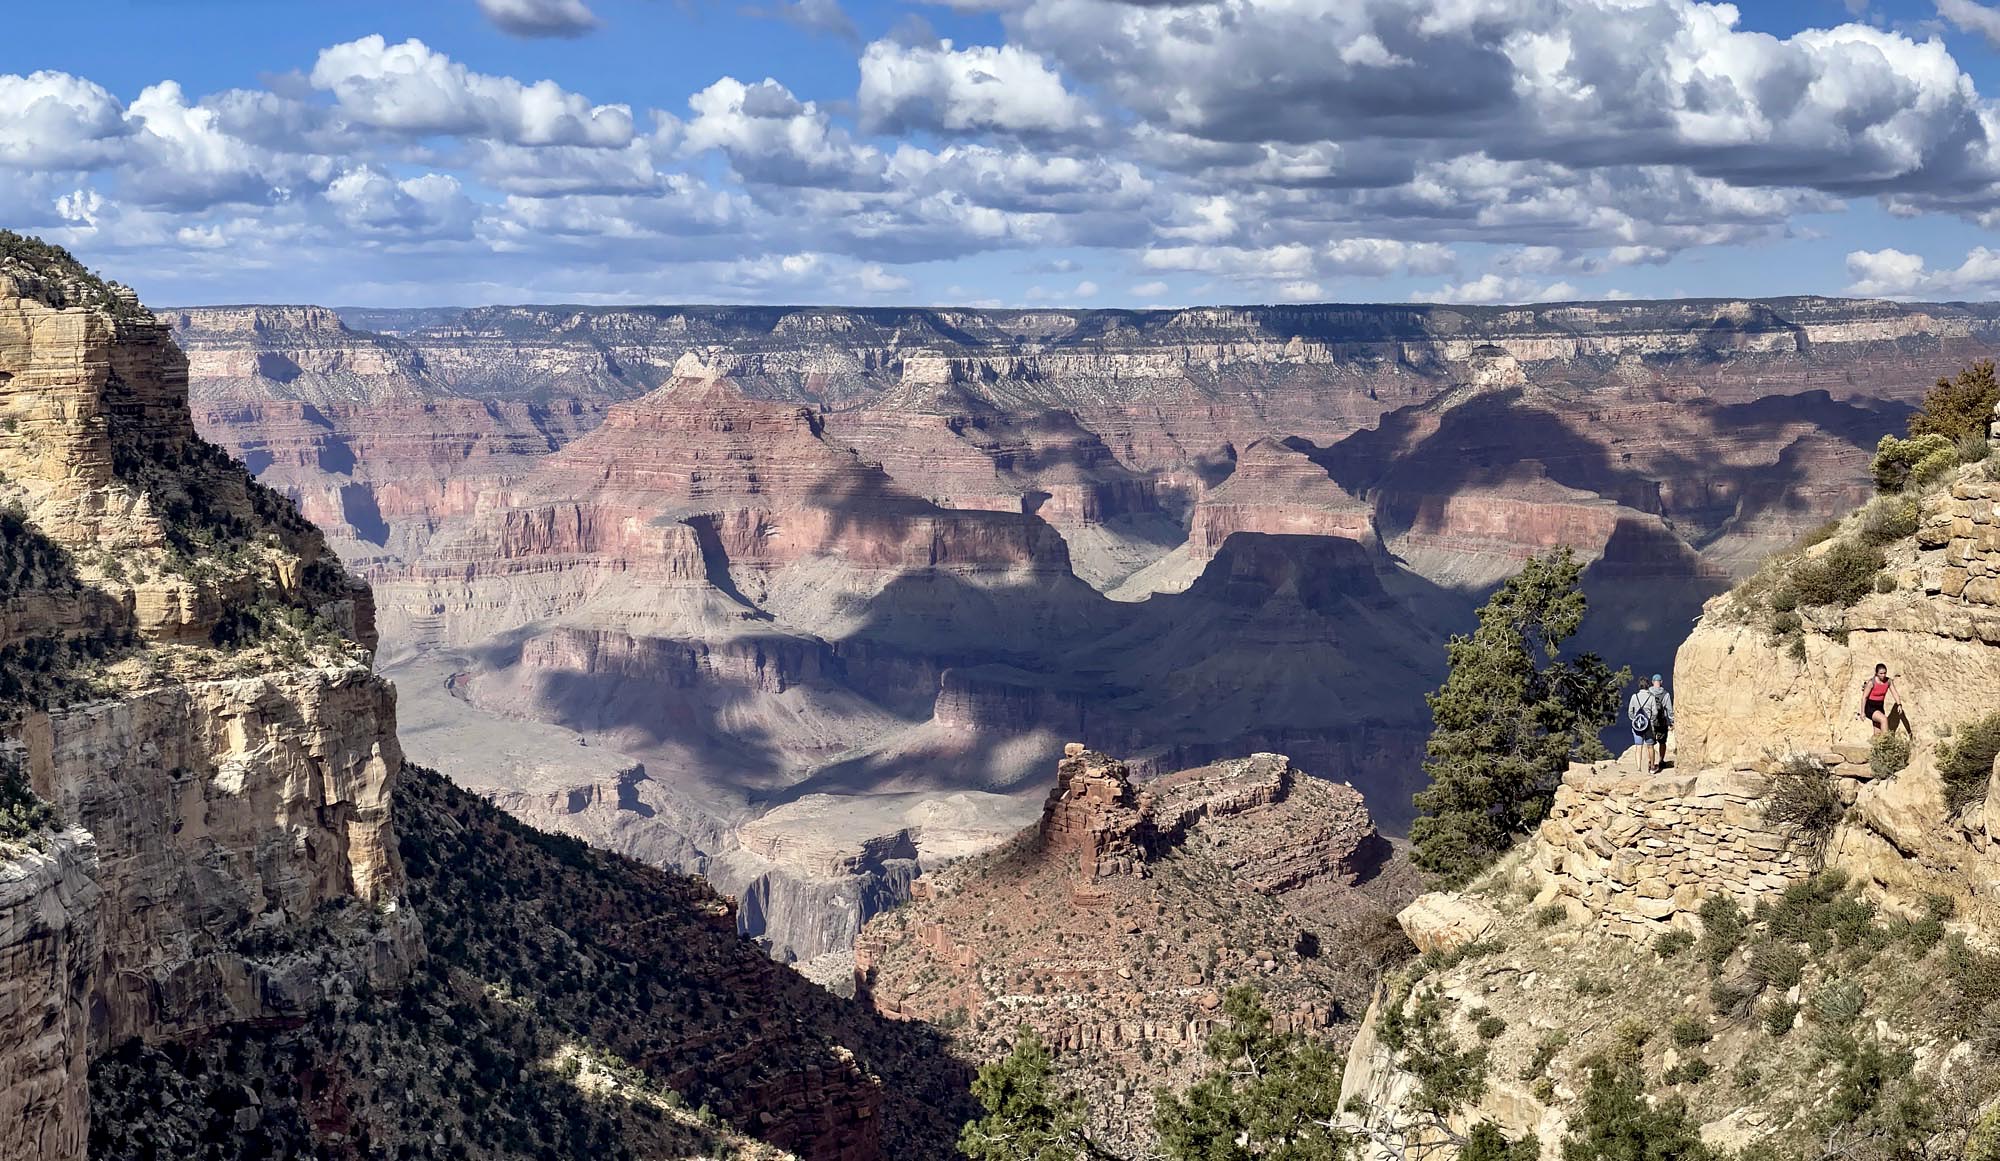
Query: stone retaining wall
[
  {"x": 1965, "y": 522},
  {"x": 1634, "y": 855}
]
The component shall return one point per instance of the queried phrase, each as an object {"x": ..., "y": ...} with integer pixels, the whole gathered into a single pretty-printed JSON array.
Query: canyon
[
  {"x": 805, "y": 599},
  {"x": 235, "y": 922}
]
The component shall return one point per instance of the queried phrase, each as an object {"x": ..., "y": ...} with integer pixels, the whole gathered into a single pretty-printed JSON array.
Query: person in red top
[{"x": 1879, "y": 698}]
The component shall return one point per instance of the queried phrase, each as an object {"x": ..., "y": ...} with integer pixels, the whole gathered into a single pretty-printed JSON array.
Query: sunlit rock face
[{"x": 758, "y": 557}]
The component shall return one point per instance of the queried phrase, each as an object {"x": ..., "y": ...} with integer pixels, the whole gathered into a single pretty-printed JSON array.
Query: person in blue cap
[{"x": 1651, "y": 712}]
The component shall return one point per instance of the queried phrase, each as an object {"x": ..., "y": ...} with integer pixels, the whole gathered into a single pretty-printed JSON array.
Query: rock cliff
[
  {"x": 142, "y": 567},
  {"x": 1835, "y": 883},
  {"x": 1114, "y": 924}
]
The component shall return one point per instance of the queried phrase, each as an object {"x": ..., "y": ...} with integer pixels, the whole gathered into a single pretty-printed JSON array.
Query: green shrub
[
  {"x": 1973, "y": 448},
  {"x": 1778, "y": 965},
  {"x": 1787, "y": 624},
  {"x": 1900, "y": 464},
  {"x": 1779, "y": 1016},
  {"x": 1490, "y": 1027},
  {"x": 1548, "y": 916},
  {"x": 1688, "y": 1072},
  {"x": 1587, "y": 986},
  {"x": 1728, "y": 997},
  {"x": 1722, "y": 927},
  {"x": 1965, "y": 761},
  {"x": 1672, "y": 943},
  {"x": 1615, "y": 1121},
  {"x": 1888, "y": 754},
  {"x": 23, "y": 816},
  {"x": 1544, "y": 1055},
  {"x": 1804, "y": 800},
  {"x": 1838, "y": 1003},
  {"x": 1688, "y": 1032},
  {"x": 1841, "y": 575},
  {"x": 1821, "y": 912},
  {"x": 1888, "y": 519}
]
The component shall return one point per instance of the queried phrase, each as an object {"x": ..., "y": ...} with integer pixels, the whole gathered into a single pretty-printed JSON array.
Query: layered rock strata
[
  {"x": 875, "y": 540},
  {"x": 1114, "y": 924},
  {"x": 187, "y": 684},
  {"x": 48, "y": 957}
]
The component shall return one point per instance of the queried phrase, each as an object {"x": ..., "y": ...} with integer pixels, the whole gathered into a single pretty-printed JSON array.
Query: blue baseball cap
[{"x": 1657, "y": 677}]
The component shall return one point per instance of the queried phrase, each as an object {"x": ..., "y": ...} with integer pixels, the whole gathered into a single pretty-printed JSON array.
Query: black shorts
[{"x": 1871, "y": 706}]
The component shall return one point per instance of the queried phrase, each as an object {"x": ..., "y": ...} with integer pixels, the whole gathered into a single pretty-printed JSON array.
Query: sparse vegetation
[
  {"x": 1902, "y": 465},
  {"x": 1888, "y": 519},
  {"x": 1510, "y": 718},
  {"x": 1616, "y": 1122},
  {"x": 1965, "y": 760},
  {"x": 1268, "y": 1095},
  {"x": 1839, "y": 576},
  {"x": 1673, "y": 943},
  {"x": 1026, "y": 1119},
  {"x": 1888, "y": 754},
  {"x": 24, "y": 818},
  {"x": 1723, "y": 925},
  {"x": 1804, "y": 800}
]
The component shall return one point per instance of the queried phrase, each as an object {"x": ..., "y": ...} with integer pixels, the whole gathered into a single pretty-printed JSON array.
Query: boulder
[{"x": 1444, "y": 922}]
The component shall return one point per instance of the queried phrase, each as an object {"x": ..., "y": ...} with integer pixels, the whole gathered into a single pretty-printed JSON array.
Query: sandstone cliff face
[
  {"x": 214, "y": 818},
  {"x": 48, "y": 958},
  {"x": 1115, "y": 923}
]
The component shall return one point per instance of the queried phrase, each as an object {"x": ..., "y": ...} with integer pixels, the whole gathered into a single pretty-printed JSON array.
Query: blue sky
[{"x": 1018, "y": 152}]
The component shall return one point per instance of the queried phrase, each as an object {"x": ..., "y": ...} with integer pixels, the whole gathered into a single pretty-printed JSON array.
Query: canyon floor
[{"x": 805, "y": 600}]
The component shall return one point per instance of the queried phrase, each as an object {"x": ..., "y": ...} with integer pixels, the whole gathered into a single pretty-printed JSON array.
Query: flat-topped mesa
[{"x": 1095, "y": 816}]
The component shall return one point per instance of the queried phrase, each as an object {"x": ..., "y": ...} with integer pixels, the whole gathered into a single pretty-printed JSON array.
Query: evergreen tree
[
  {"x": 1269, "y": 1096},
  {"x": 1026, "y": 1118},
  {"x": 1958, "y": 407},
  {"x": 1616, "y": 1123},
  {"x": 1511, "y": 716}
]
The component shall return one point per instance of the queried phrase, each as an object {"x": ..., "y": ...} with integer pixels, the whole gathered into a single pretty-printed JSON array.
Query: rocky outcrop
[
  {"x": 224, "y": 811},
  {"x": 1100, "y": 926},
  {"x": 1767, "y": 723},
  {"x": 187, "y": 683},
  {"x": 48, "y": 958}
]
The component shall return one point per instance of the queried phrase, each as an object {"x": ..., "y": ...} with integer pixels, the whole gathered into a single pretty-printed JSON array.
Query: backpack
[{"x": 1642, "y": 715}]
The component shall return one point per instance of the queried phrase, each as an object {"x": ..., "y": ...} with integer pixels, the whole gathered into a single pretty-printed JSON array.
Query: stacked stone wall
[
  {"x": 1634, "y": 854},
  {"x": 1965, "y": 522}
]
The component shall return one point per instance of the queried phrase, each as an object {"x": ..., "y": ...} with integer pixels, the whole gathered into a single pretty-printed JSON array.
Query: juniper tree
[
  {"x": 1508, "y": 720},
  {"x": 1027, "y": 1118},
  {"x": 1270, "y": 1095}
]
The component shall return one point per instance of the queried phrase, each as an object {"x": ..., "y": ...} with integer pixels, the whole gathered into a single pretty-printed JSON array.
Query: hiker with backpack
[{"x": 1651, "y": 712}]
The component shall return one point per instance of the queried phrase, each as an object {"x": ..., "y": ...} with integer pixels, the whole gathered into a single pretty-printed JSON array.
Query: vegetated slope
[
  {"x": 1786, "y": 944},
  {"x": 1114, "y": 926},
  {"x": 573, "y": 1003}
]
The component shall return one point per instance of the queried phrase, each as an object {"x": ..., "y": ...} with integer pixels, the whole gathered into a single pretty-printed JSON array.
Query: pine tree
[
  {"x": 1958, "y": 407},
  {"x": 1026, "y": 1118},
  {"x": 1270, "y": 1095},
  {"x": 1511, "y": 716}
]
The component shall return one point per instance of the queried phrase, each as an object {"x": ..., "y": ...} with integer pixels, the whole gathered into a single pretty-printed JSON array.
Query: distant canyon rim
[{"x": 807, "y": 599}]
